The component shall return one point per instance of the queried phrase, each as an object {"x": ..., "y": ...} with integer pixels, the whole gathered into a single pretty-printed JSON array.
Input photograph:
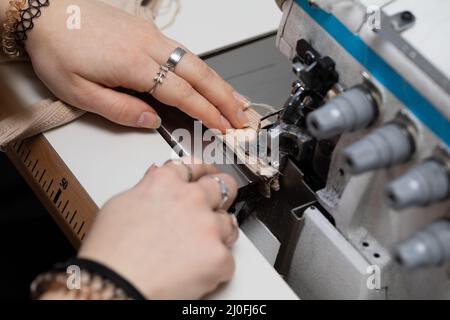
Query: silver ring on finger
[
  {"x": 158, "y": 80},
  {"x": 174, "y": 58},
  {"x": 224, "y": 191}
]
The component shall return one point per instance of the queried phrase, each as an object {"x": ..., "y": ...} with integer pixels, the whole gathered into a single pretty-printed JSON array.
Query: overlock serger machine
[{"x": 362, "y": 210}]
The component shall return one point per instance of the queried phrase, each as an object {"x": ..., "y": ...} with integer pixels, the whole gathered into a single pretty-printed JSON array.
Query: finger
[
  {"x": 118, "y": 107},
  {"x": 174, "y": 91},
  {"x": 188, "y": 172},
  {"x": 226, "y": 265},
  {"x": 208, "y": 83},
  {"x": 229, "y": 228},
  {"x": 213, "y": 189},
  {"x": 177, "y": 92},
  {"x": 152, "y": 168}
]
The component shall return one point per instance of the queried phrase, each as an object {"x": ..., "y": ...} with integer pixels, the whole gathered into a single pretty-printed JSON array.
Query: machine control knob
[
  {"x": 427, "y": 183},
  {"x": 354, "y": 109},
  {"x": 429, "y": 247},
  {"x": 385, "y": 147}
]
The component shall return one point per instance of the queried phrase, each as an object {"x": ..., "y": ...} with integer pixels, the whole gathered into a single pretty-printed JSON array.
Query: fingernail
[
  {"x": 243, "y": 118},
  {"x": 225, "y": 123},
  {"x": 149, "y": 120},
  {"x": 242, "y": 100},
  {"x": 152, "y": 168}
]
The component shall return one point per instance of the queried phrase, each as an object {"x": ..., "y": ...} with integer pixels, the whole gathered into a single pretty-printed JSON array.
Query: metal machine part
[
  {"x": 422, "y": 185},
  {"x": 317, "y": 76},
  {"x": 391, "y": 29},
  {"x": 429, "y": 247},
  {"x": 283, "y": 213},
  {"x": 394, "y": 135},
  {"x": 383, "y": 148},
  {"x": 352, "y": 110}
]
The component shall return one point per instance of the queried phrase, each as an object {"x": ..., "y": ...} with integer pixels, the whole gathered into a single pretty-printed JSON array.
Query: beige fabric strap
[
  {"x": 18, "y": 122},
  {"x": 34, "y": 119}
]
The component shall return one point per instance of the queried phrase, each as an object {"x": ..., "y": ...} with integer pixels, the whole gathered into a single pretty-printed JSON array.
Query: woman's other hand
[
  {"x": 168, "y": 236},
  {"x": 114, "y": 49}
]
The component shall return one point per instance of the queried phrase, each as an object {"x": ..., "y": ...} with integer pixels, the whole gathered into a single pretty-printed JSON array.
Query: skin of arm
[{"x": 4, "y": 5}]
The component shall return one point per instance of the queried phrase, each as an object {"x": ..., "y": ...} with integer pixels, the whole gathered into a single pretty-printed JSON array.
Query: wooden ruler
[{"x": 57, "y": 188}]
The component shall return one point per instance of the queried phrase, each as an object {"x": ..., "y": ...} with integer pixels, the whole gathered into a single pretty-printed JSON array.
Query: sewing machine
[
  {"x": 357, "y": 206},
  {"x": 364, "y": 192},
  {"x": 360, "y": 205}
]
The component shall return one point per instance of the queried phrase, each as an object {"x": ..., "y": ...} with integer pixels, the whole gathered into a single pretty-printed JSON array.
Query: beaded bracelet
[
  {"x": 19, "y": 20},
  {"x": 92, "y": 287},
  {"x": 96, "y": 282}
]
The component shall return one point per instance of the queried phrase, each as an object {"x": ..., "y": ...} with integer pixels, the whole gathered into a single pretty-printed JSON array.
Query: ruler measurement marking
[
  {"x": 79, "y": 229},
  {"x": 57, "y": 195},
  {"x": 51, "y": 182},
  {"x": 43, "y": 169},
  {"x": 20, "y": 146},
  {"x": 65, "y": 206},
  {"x": 42, "y": 175},
  {"x": 34, "y": 167},
  {"x": 26, "y": 158},
  {"x": 73, "y": 216}
]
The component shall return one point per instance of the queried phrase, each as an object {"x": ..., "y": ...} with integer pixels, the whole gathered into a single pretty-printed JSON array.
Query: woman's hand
[
  {"x": 167, "y": 236},
  {"x": 114, "y": 49}
]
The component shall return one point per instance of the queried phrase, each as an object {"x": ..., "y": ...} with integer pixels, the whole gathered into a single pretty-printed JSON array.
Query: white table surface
[{"x": 108, "y": 159}]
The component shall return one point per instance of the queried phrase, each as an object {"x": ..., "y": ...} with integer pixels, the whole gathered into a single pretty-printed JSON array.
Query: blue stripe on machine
[{"x": 383, "y": 72}]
